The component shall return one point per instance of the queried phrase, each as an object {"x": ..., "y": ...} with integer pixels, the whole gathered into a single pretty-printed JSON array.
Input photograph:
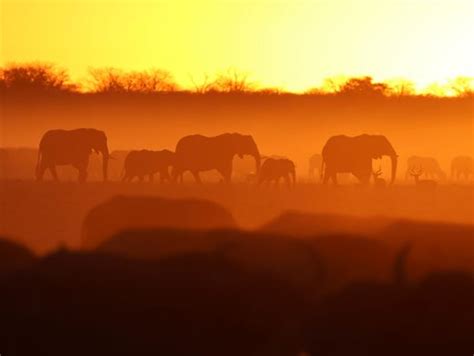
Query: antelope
[
  {"x": 422, "y": 183},
  {"x": 379, "y": 182}
]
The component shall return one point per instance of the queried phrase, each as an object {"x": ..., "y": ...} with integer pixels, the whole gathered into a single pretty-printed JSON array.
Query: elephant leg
[
  {"x": 82, "y": 172},
  {"x": 81, "y": 166},
  {"x": 334, "y": 178},
  {"x": 54, "y": 173},
  {"x": 225, "y": 170},
  {"x": 151, "y": 177},
  {"x": 197, "y": 177},
  {"x": 325, "y": 178},
  {"x": 288, "y": 181},
  {"x": 140, "y": 178},
  {"x": 176, "y": 175},
  {"x": 40, "y": 172}
]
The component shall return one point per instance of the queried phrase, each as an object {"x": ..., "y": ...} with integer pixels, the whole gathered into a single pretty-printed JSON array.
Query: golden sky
[{"x": 293, "y": 44}]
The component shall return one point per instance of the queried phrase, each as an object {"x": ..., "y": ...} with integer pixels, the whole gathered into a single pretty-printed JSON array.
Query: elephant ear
[
  {"x": 365, "y": 146},
  {"x": 377, "y": 146}
]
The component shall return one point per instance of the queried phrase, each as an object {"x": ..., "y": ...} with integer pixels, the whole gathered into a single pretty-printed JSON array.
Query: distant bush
[
  {"x": 35, "y": 77},
  {"x": 40, "y": 77}
]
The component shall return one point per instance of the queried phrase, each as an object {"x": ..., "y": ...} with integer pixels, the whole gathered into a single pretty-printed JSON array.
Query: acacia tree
[
  {"x": 36, "y": 77},
  {"x": 111, "y": 80},
  {"x": 363, "y": 86}
]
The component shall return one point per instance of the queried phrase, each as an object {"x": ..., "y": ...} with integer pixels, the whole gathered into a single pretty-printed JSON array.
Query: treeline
[{"x": 48, "y": 78}]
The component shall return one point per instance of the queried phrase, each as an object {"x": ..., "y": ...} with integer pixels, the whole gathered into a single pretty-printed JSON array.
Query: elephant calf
[
  {"x": 146, "y": 162},
  {"x": 273, "y": 169}
]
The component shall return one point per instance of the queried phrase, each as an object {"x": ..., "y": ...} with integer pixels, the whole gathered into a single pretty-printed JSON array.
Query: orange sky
[{"x": 292, "y": 44}]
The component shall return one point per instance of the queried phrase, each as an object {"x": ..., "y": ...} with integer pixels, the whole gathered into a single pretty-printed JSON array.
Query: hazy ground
[{"x": 44, "y": 215}]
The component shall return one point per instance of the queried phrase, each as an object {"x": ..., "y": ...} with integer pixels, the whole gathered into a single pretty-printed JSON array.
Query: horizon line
[{"x": 439, "y": 88}]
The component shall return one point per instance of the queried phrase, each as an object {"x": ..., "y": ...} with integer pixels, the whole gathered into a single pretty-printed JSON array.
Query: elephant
[
  {"x": 71, "y": 147},
  {"x": 428, "y": 165},
  {"x": 273, "y": 169},
  {"x": 197, "y": 153},
  {"x": 146, "y": 162},
  {"x": 462, "y": 166},
  {"x": 315, "y": 162},
  {"x": 354, "y": 155}
]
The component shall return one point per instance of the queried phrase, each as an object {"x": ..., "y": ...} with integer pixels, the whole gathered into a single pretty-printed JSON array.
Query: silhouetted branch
[
  {"x": 233, "y": 81},
  {"x": 111, "y": 80}
]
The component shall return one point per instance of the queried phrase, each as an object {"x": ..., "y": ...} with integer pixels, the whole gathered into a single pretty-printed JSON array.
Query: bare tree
[
  {"x": 111, "y": 80},
  {"x": 106, "y": 80},
  {"x": 151, "y": 81},
  {"x": 36, "y": 77},
  {"x": 233, "y": 81},
  {"x": 204, "y": 86},
  {"x": 334, "y": 84}
]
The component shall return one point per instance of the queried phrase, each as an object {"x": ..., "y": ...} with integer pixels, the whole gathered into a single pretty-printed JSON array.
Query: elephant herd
[{"x": 198, "y": 153}]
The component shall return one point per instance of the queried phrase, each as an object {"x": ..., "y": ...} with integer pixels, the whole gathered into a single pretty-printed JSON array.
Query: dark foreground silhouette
[
  {"x": 133, "y": 212},
  {"x": 249, "y": 295}
]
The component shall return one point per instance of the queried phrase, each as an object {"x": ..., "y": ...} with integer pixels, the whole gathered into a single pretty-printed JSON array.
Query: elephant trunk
[
  {"x": 293, "y": 175},
  {"x": 394, "y": 167}
]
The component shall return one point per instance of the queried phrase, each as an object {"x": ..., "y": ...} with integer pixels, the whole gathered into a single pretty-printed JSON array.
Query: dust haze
[{"x": 236, "y": 222}]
